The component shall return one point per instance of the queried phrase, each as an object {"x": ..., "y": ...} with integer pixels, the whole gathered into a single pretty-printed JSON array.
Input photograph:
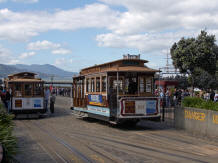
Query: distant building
[{"x": 166, "y": 84}]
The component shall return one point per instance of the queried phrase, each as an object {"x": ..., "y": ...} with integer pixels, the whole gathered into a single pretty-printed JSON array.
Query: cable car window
[
  {"x": 148, "y": 85},
  {"x": 89, "y": 85},
  {"x": 118, "y": 83},
  {"x": 28, "y": 89},
  {"x": 141, "y": 84},
  {"x": 38, "y": 89},
  {"x": 104, "y": 84},
  {"x": 17, "y": 90},
  {"x": 132, "y": 87},
  {"x": 92, "y": 85},
  {"x": 98, "y": 84}
]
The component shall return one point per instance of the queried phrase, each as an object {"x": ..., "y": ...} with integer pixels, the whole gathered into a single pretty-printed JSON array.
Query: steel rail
[{"x": 64, "y": 143}]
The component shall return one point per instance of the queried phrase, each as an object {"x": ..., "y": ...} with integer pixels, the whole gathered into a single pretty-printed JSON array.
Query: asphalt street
[{"x": 62, "y": 137}]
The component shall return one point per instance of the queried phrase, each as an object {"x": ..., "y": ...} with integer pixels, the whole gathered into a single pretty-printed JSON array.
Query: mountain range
[{"x": 44, "y": 71}]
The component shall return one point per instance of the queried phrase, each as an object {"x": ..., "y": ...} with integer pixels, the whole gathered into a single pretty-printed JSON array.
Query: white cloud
[
  {"x": 13, "y": 61},
  {"x": 154, "y": 25},
  {"x": 147, "y": 25},
  {"x": 66, "y": 63},
  {"x": 2, "y": 1},
  {"x": 61, "y": 61},
  {"x": 145, "y": 43},
  {"x": 42, "y": 45},
  {"x": 61, "y": 51},
  {"x": 47, "y": 45},
  {"x": 4, "y": 52},
  {"x": 157, "y": 16},
  {"x": 27, "y": 54},
  {"x": 7, "y": 57},
  {"x": 23, "y": 25},
  {"x": 168, "y": 6}
]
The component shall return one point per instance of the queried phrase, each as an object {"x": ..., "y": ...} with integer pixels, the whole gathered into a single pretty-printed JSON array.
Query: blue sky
[{"x": 74, "y": 34}]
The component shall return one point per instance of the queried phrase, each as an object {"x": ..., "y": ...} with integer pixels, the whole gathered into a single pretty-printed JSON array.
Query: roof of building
[
  {"x": 26, "y": 80},
  {"x": 22, "y": 73},
  {"x": 23, "y": 77},
  {"x": 130, "y": 69},
  {"x": 116, "y": 61}
]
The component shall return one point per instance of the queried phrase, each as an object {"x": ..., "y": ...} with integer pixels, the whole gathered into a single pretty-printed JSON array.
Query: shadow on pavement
[{"x": 140, "y": 126}]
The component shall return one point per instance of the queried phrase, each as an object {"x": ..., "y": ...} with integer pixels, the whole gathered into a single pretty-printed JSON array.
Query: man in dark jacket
[
  {"x": 8, "y": 100},
  {"x": 212, "y": 94},
  {"x": 52, "y": 102}
]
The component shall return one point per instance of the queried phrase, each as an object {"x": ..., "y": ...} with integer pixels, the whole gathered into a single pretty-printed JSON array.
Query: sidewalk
[{"x": 28, "y": 149}]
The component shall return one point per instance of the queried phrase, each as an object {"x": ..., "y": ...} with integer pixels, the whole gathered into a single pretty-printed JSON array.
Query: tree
[
  {"x": 204, "y": 80},
  {"x": 196, "y": 56}
]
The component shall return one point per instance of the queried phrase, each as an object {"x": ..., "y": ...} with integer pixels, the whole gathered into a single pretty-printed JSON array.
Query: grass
[{"x": 197, "y": 102}]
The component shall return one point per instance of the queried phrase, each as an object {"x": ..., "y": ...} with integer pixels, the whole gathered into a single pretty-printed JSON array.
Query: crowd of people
[
  {"x": 172, "y": 97},
  {"x": 209, "y": 95},
  {"x": 62, "y": 91}
]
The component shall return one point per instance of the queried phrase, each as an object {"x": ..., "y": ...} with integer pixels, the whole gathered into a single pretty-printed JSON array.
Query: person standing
[
  {"x": 212, "y": 94},
  {"x": 175, "y": 97},
  {"x": 216, "y": 98},
  {"x": 8, "y": 100},
  {"x": 52, "y": 102},
  {"x": 179, "y": 97},
  {"x": 47, "y": 94},
  {"x": 167, "y": 95},
  {"x": 3, "y": 96}
]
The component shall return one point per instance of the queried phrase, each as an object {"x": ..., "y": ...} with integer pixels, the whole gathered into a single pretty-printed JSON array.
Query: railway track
[
  {"x": 67, "y": 139},
  {"x": 169, "y": 152},
  {"x": 55, "y": 154}
]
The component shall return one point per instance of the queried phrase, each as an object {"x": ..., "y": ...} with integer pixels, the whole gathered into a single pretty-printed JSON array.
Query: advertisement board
[
  {"x": 95, "y": 100},
  {"x": 151, "y": 106},
  {"x": 18, "y": 103},
  {"x": 37, "y": 103},
  {"x": 140, "y": 107},
  {"x": 129, "y": 107},
  {"x": 146, "y": 106},
  {"x": 27, "y": 103}
]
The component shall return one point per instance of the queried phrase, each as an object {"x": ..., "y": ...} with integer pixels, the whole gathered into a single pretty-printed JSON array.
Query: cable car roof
[
  {"x": 26, "y": 80},
  {"x": 130, "y": 63}
]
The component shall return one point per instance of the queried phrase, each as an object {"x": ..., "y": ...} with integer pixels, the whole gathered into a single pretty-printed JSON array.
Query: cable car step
[
  {"x": 113, "y": 122},
  {"x": 28, "y": 116},
  {"x": 79, "y": 114}
]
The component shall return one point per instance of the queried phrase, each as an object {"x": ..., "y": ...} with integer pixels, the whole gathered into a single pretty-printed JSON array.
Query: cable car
[
  {"x": 118, "y": 92},
  {"x": 27, "y": 93}
]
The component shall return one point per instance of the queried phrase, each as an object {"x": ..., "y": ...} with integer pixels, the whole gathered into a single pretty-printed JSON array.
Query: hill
[
  {"x": 44, "y": 71},
  {"x": 5, "y": 70}
]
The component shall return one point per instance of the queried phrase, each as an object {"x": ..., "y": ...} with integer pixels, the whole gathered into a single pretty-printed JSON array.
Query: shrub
[
  {"x": 7, "y": 140},
  {"x": 197, "y": 102}
]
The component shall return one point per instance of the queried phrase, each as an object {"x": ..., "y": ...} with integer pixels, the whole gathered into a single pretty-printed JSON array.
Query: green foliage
[
  {"x": 197, "y": 102},
  {"x": 182, "y": 82},
  {"x": 204, "y": 80},
  {"x": 6, "y": 138},
  {"x": 194, "y": 55}
]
